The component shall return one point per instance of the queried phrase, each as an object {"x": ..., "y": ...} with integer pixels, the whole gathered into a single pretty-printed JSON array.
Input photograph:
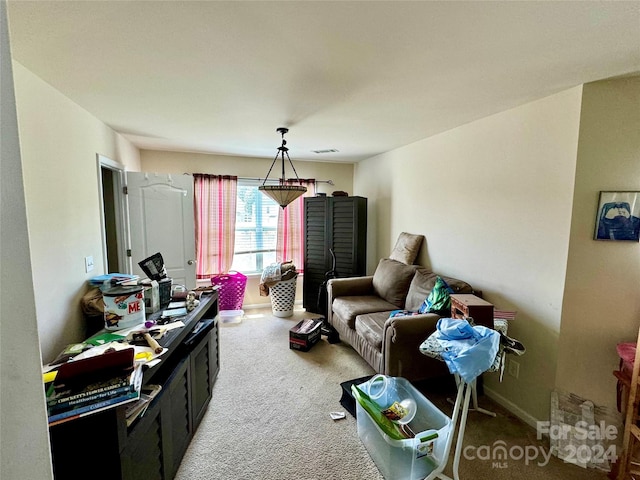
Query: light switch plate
[
  {"x": 514, "y": 368},
  {"x": 88, "y": 263}
]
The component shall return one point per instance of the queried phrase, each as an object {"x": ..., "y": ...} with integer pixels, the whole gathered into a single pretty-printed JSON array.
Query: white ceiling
[{"x": 362, "y": 77}]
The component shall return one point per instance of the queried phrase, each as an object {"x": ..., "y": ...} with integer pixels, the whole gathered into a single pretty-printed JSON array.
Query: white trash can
[{"x": 283, "y": 296}]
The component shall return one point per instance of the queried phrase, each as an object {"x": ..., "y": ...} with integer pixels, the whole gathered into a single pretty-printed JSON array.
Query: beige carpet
[{"x": 269, "y": 416}]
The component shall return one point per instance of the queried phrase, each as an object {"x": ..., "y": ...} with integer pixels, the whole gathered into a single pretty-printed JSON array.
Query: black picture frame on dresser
[{"x": 101, "y": 446}]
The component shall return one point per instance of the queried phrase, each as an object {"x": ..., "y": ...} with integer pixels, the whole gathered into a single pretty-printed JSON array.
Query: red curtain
[
  {"x": 290, "y": 239},
  {"x": 215, "y": 223}
]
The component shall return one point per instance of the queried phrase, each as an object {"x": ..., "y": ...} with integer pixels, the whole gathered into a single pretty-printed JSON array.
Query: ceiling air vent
[{"x": 327, "y": 150}]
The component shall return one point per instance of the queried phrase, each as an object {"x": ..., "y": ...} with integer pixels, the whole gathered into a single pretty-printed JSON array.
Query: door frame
[{"x": 118, "y": 204}]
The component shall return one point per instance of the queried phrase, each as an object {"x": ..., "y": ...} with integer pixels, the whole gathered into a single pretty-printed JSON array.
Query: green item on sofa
[
  {"x": 439, "y": 299},
  {"x": 393, "y": 430}
]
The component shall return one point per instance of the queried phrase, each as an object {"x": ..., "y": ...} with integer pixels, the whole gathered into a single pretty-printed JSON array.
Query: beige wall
[
  {"x": 174, "y": 162},
  {"x": 602, "y": 296},
  {"x": 24, "y": 444},
  {"x": 177, "y": 162},
  {"x": 493, "y": 199},
  {"x": 59, "y": 142}
]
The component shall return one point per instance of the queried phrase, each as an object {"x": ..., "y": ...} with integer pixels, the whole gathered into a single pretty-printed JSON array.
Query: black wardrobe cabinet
[{"x": 335, "y": 245}]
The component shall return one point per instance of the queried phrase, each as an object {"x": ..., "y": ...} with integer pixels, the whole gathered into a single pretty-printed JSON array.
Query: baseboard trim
[
  {"x": 512, "y": 407},
  {"x": 256, "y": 306}
]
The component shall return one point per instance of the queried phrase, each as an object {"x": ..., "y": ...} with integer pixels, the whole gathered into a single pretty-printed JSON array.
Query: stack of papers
[
  {"x": 138, "y": 409},
  {"x": 113, "y": 278}
]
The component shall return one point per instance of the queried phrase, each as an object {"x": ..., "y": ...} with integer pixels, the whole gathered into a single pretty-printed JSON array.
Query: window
[{"x": 256, "y": 228}]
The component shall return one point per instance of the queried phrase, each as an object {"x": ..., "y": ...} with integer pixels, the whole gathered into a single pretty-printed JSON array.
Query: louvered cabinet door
[
  {"x": 143, "y": 455},
  {"x": 203, "y": 373},
  {"x": 348, "y": 235},
  {"x": 316, "y": 253},
  {"x": 338, "y": 225},
  {"x": 180, "y": 426}
]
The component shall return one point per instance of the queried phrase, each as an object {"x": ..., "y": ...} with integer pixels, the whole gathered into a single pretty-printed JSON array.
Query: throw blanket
[
  {"x": 274, "y": 273},
  {"x": 468, "y": 350},
  {"x": 271, "y": 273}
]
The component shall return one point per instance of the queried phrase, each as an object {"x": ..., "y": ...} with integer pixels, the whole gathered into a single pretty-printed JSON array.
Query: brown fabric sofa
[{"x": 359, "y": 309}]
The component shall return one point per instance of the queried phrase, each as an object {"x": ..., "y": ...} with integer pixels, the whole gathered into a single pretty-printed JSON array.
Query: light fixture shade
[{"x": 283, "y": 195}]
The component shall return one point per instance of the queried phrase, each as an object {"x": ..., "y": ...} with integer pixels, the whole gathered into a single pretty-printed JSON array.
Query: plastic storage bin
[
  {"x": 283, "y": 296},
  {"x": 231, "y": 291},
  {"x": 230, "y": 316},
  {"x": 411, "y": 458}
]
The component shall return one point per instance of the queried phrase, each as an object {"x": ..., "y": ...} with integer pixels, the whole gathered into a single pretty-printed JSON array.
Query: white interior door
[{"x": 161, "y": 220}]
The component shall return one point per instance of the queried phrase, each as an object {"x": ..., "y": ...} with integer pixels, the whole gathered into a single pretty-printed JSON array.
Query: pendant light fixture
[{"x": 282, "y": 193}]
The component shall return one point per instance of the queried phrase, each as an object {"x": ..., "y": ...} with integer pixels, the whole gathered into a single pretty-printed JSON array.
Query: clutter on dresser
[
  {"x": 125, "y": 329},
  {"x": 90, "y": 385},
  {"x": 192, "y": 301},
  {"x": 166, "y": 382},
  {"x": 154, "y": 267},
  {"x": 76, "y": 380}
]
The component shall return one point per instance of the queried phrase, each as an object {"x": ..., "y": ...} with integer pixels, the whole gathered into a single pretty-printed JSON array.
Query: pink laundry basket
[{"x": 231, "y": 291}]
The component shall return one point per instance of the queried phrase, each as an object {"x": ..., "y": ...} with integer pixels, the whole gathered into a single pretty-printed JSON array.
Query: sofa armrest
[
  {"x": 402, "y": 338},
  {"x": 350, "y": 286}
]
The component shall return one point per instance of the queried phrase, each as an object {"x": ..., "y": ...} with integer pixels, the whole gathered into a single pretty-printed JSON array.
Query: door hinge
[
  {"x": 125, "y": 190},
  {"x": 128, "y": 252}
]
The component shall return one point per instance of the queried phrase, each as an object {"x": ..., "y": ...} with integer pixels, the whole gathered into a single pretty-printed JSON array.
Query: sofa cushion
[
  {"x": 423, "y": 282},
  {"x": 406, "y": 248},
  {"x": 348, "y": 308},
  {"x": 370, "y": 327},
  {"x": 391, "y": 281}
]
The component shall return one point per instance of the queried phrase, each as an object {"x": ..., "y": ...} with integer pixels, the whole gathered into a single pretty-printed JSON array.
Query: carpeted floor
[{"x": 269, "y": 417}]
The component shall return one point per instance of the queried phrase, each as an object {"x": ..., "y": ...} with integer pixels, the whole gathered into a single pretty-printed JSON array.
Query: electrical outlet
[
  {"x": 514, "y": 368},
  {"x": 88, "y": 263}
]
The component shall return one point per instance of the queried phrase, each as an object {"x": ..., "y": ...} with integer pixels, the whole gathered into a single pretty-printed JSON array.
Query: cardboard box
[
  {"x": 152, "y": 297},
  {"x": 305, "y": 334}
]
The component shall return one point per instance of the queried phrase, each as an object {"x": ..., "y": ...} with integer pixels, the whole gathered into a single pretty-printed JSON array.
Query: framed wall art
[{"x": 618, "y": 216}]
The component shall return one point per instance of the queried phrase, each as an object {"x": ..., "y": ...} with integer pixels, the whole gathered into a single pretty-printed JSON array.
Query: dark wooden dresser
[{"x": 101, "y": 446}]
